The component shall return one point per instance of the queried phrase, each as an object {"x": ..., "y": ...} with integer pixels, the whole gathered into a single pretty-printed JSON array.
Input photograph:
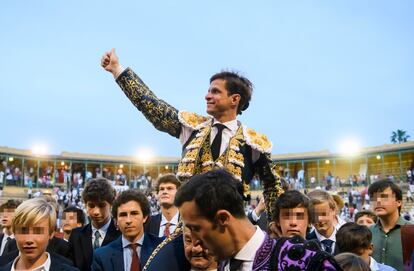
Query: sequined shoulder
[
  {"x": 193, "y": 120},
  {"x": 257, "y": 141}
]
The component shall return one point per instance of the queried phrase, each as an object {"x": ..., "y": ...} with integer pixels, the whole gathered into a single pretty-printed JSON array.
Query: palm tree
[{"x": 399, "y": 136}]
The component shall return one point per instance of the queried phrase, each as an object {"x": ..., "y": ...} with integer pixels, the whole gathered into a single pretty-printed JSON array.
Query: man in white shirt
[
  {"x": 133, "y": 248},
  {"x": 33, "y": 226},
  {"x": 211, "y": 207},
  {"x": 7, "y": 212},
  {"x": 164, "y": 224}
]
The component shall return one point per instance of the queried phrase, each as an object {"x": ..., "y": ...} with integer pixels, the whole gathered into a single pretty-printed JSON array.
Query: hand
[
  {"x": 260, "y": 208},
  {"x": 110, "y": 62}
]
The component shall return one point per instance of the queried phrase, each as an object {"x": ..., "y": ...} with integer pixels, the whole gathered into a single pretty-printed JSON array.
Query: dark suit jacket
[
  {"x": 111, "y": 257},
  {"x": 170, "y": 257},
  {"x": 10, "y": 247},
  {"x": 312, "y": 236},
  {"x": 262, "y": 222},
  {"x": 55, "y": 265},
  {"x": 11, "y": 255},
  {"x": 153, "y": 225},
  {"x": 59, "y": 246},
  {"x": 80, "y": 242}
]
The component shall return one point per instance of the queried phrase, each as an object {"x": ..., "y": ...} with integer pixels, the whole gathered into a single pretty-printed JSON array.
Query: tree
[{"x": 399, "y": 136}]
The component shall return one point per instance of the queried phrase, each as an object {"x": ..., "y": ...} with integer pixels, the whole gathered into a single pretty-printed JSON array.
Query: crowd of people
[{"x": 202, "y": 223}]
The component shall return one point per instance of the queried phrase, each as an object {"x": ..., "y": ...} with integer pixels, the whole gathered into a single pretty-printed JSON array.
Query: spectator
[
  {"x": 386, "y": 200},
  {"x": 72, "y": 217},
  {"x": 351, "y": 262},
  {"x": 7, "y": 212},
  {"x": 357, "y": 239},
  {"x": 200, "y": 258},
  {"x": 366, "y": 218}
]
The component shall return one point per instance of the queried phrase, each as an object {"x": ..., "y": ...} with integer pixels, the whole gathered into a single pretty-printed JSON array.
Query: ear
[
  {"x": 223, "y": 217},
  {"x": 371, "y": 249},
  {"x": 145, "y": 219},
  {"x": 235, "y": 98}
]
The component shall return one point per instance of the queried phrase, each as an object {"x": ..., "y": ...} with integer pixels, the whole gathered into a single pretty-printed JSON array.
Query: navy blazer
[
  {"x": 312, "y": 236},
  {"x": 170, "y": 257},
  {"x": 111, "y": 257},
  {"x": 153, "y": 224},
  {"x": 55, "y": 265},
  {"x": 80, "y": 242},
  {"x": 10, "y": 247}
]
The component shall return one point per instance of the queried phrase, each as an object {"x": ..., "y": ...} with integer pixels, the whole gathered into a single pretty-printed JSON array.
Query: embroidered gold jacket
[{"x": 196, "y": 155}]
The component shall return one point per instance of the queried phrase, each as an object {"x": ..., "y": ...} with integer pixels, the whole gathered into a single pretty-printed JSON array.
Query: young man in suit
[
  {"x": 6, "y": 237},
  {"x": 164, "y": 224},
  {"x": 131, "y": 250},
  {"x": 72, "y": 217},
  {"x": 291, "y": 214},
  {"x": 211, "y": 207},
  {"x": 323, "y": 208},
  {"x": 33, "y": 225},
  {"x": 98, "y": 196}
]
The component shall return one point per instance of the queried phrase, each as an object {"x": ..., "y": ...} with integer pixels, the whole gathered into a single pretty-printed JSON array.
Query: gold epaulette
[
  {"x": 257, "y": 141},
  {"x": 193, "y": 120}
]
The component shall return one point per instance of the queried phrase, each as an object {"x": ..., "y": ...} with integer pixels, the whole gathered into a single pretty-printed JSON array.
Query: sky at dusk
[{"x": 323, "y": 71}]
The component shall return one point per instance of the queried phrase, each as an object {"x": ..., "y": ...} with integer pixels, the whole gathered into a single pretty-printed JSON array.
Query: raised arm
[{"x": 163, "y": 116}]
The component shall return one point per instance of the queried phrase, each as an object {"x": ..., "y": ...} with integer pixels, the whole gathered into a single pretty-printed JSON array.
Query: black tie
[
  {"x": 235, "y": 264},
  {"x": 327, "y": 243},
  {"x": 216, "y": 145},
  {"x": 6, "y": 246}
]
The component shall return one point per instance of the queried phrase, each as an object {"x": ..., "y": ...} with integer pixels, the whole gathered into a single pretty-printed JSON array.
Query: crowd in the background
[{"x": 360, "y": 229}]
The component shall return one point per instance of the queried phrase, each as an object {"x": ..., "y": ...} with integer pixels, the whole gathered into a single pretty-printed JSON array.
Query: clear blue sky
[{"x": 323, "y": 70}]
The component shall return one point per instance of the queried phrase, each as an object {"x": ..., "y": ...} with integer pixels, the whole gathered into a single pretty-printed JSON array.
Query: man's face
[
  {"x": 325, "y": 217},
  {"x": 166, "y": 194},
  {"x": 99, "y": 212},
  {"x": 204, "y": 233},
  {"x": 293, "y": 221},
  {"x": 365, "y": 221},
  {"x": 199, "y": 257},
  {"x": 384, "y": 203},
  {"x": 218, "y": 99},
  {"x": 33, "y": 240},
  {"x": 6, "y": 218},
  {"x": 70, "y": 221},
  {"x": 130, "y": 220}
]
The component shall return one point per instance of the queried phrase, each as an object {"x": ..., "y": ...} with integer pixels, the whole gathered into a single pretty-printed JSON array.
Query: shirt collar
[
  {"x": 248, "y": 252},
  {"x": 400, "y": 222},
  {"x": 103, "y": 229},
  {"x": 232, "y": 125},
  {"x": 373, "y": 265},
  {"x": 44, "y": 267},
  {"x": 5, "y": 235},
  {"x": 321, "y": 237},
  {"x": 126, "y": 243},
  {"x": 174, "y": 220}
]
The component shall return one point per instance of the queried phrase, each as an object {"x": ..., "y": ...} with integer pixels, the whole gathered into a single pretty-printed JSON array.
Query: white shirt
[
  {"x": 173, "y": 224},
  {"x": 3, "y": 242},
  {"x": 227, "y": 134},
  {"x": 332, "y": 237},
  {"x": 102, "y": 231},
  {"x": 128, "y": 253},
  {"x": 248, "y": 252},
  {"x": 44, "y": 267}
]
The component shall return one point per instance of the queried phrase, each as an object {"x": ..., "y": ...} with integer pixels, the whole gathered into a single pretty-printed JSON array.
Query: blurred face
[
  {"x": 99, "y": 212},
  {"x": 204, "y": 233},
  {"x": 130, "y": 220},
  {"x": 218, "y": 99},
  {"x": 6, "y": 218},
  {"x": 365, "y": 221},
  {"x": 166, "y": 194},
  {"x": 70, "y": 221},
  {"x": 33, "y": 240},
  {"x": 199, "y": 257},
  {"x": 325, "y": 219},
  {"x": 293, "y": 221},
  {"x": 384, "y": 203}
]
